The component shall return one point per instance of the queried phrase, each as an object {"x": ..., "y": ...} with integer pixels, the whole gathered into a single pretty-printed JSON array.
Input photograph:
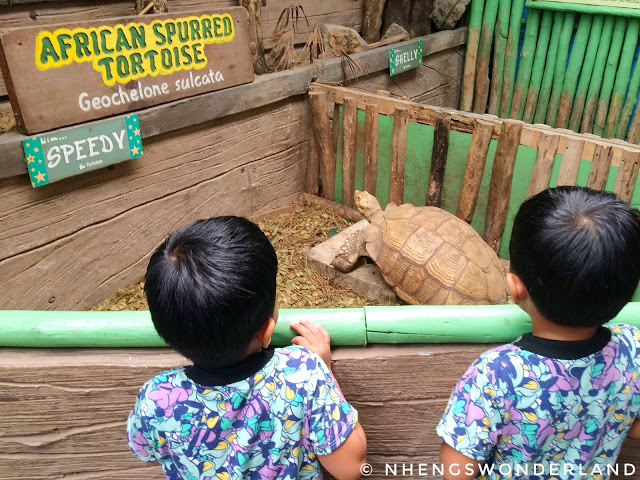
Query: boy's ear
[
  {"x": 265, "y": 332},
  {"x": 517, "y": 288}
]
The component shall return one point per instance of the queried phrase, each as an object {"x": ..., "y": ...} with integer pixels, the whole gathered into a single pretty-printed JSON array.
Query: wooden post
[
  {"x": 474, "y": 169},
  {"x": 622, "y": 79},
  {"x": 398, "y": 154},
  {"x": 313, "y": 165},
  {"x": 561, "y": 64},
  {"x": 322, "y": 129},
  {"x": 570, "y": 165},
  {"x": 511, "y": 57},
  {"x": 576, "y": 61},
  {"x": 371, "y": 148},
  {"x": 537, "y": 70},
  {"x": 600, "y": 166},
  {"x": 585, "y": 74},
  {"x": 526, "y": 63},
  {"x": 335, "y": 125},
  {"x": 501, "y": 178},
  {"x": 545, "y": 158},
  {"x": 438, "y": 159},
  {"x": 350, "y": 113},
  {"x": 481, "y": 93},
  {"x": 627, "y": 174},
  {"x": 549, "y": 69},
  {"x": 499, "y": 51},
  {"x": 468, "y": 78}
]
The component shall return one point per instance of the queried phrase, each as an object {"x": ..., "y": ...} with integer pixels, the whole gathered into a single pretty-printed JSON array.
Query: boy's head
[
  {"x": 577, "y": 252},
  {"x": 211, "y": 287}
]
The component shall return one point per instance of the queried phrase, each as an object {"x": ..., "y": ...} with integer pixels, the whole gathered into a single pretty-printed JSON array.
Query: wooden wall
[{"x": 64, "y": 411}]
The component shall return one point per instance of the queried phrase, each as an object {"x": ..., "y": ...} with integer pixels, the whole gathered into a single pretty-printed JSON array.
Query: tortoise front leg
[{"x": 350, "y": 252}]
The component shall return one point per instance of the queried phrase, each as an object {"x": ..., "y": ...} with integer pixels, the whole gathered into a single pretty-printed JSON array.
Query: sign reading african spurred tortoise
[{"x": 426, "y": 254}]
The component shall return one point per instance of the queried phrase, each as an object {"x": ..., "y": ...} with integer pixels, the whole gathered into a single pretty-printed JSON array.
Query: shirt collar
[
  {"x": 564, "y": 350},
  {"x": 242, "y": 370}
]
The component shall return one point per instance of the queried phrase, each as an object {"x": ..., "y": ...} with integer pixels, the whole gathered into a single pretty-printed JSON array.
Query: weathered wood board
[
  {"x": 64, "y": 411},
  {"x": 57, "y": 76},
  {"x": 365, "y": 279}
]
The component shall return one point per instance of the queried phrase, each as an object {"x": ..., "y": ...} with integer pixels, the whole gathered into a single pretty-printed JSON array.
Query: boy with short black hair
[
  {"x": 242, "y": 410},
  {"x": 556, "y": 403}
]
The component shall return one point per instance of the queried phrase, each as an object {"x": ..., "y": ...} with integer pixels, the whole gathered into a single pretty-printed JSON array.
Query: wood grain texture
[
  {"x": 313, "y": 164},
  {"x": 438, "y": 159},
  {"x": 398, "y": 154},
  {"x": 371, "y": 148},
  {"x": 600, "y": 166},
  {"x": 349, "y": 119},
  {"x": 545, "y": 157},
  {"x": 501, "y": 177},
  {"x": 627, "y": 174},
  {"x": 571, "y": 158},
  {"x": 73, "y": 244},
  {"x": 476, "y": 160},
  {"x": 322, "y": 129}
]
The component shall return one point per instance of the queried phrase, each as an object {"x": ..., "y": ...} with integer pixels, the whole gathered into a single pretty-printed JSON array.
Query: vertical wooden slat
[
  {"x": 570, "y": 165},
  {"x": 476, "y": 160},
  {"x": 600, "y": 166},
  {"x": 371, "y": 148},
  {"x": 547, "y": 149},
  {"x": 398, "y": 154},
  {"x": 627, "y": 174},
  {"x": 438, "y": 159},
  {"x": 501, "y": 178},
  {"x": 349, "y": 117},
  {"x": 335, "y": 132},
  {"x": 313, "y": 165},
  {"x": 322, "y": 128}
]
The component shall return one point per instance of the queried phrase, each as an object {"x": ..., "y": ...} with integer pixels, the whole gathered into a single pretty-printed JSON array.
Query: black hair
[
  {"x": 577, "y": 251},
  {"x": 210, "y": 287}
]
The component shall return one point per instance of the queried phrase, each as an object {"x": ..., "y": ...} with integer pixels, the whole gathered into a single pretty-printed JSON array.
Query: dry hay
[{"x": 299, "y": 286}]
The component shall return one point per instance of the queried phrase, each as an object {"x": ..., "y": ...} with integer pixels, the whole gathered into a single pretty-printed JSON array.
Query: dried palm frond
[
  {"x": 293, "y": 14},
  {"x": 348, "y": 63},
  {"x": 282, "y": 55},
  {"x": 314, "y": 47}
]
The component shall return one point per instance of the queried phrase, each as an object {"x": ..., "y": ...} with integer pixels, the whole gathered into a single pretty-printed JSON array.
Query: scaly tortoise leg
[{"x": 350, "y": 252}]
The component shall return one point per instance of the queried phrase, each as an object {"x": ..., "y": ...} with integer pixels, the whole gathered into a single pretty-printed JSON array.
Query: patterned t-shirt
[
  {"x": 547, "y": 409},
  {"x": 270, "y": 425}
]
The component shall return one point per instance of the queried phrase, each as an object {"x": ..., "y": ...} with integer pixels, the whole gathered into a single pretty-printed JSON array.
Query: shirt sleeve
[
  {"x": 330, "y": 417},
  {"x": 137, "y": 435},
  {"x": 473, "y": 416}
]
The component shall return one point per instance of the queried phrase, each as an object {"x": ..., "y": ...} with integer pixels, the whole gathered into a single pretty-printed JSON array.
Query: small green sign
[
  {"x": 78, "y": 150},
  {"x": 405, "y": 58}
]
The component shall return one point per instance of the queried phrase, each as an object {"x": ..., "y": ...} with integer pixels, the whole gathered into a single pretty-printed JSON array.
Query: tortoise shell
[{"x": 429, "y": 256}]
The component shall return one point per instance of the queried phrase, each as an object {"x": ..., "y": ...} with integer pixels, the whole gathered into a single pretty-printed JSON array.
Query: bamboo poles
[
  {"x": 549, "y": 68},
  {"x": 526, "y": 63},
  {"x": 561, "y": 62},
  {"x": 630, "y": 103},
  {"x": 497, "y": 75},
  {"x": 468, "y": 79},
  {"x": 481, "y": 93},
  {"x": 511, "y": 57},
  {"x": 537, "y": 70}
]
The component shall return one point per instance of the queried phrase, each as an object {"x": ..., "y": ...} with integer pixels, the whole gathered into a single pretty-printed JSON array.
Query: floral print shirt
[
  {"x": 547, "y": 409},
  {"x": 272, "y": 424}
]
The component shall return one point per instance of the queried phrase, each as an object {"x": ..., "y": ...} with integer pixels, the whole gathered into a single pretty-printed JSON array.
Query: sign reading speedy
[{"x": 96, "y": 70}]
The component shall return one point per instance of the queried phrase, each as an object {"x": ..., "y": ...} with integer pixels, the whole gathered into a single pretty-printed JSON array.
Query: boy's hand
[{"x": 315, "y": 338}]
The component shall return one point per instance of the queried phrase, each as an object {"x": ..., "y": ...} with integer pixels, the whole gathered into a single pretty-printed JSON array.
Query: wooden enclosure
[{"x": 479, "y": 167}]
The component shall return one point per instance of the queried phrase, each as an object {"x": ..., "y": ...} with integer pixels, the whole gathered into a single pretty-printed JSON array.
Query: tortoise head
[{"x": 366, "y": 203}]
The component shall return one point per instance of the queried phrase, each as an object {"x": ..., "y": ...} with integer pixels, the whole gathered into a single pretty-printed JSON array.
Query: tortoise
[{"x": 426, "y": 254}]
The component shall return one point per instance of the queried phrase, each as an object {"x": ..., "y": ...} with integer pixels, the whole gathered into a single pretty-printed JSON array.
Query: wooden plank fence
[{"x": 573, "y": 147}]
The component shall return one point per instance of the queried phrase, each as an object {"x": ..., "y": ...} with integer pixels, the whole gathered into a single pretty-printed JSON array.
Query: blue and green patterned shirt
[
  {"x": 270, "y": 425},
  {"x": 546, "y": 409}
]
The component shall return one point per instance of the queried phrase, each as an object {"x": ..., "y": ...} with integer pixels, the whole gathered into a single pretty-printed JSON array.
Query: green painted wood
[
  {"x": 576, "y": 60},
  {"x": 549, "y": 68},
  {"x": 586, "y": 72},
  {"x": 481, "y": 93},
  {"x": 623, "y": 77},
  {"x": 608, "y": 79},
  {"x": 537, "y": 70},
  {"x": 499, "y": 53},
  {"x": 582, "y": 8},
  {"x": 526, "y": 63},
  {"x": 593, "y": 92},
  {"x": 630, "y": 103},
  {"x": 469, "y": 75},
  {"x": 511, "y": 57},
  {"x": 560, "y": 69}
]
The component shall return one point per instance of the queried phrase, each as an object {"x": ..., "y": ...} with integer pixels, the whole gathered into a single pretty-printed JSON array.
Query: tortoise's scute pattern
[{"x": 430, "y": 256}]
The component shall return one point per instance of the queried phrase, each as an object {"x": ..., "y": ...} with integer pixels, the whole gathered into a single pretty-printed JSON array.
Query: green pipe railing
[{"x": 348, "y": 326}]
